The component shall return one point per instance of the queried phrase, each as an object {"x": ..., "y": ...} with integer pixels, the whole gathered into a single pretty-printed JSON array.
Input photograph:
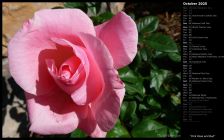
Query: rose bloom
[{"x": 68, "y": 70}]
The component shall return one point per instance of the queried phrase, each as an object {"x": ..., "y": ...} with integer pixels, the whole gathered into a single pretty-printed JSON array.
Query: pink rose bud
[{"x": 68, "y": 70}]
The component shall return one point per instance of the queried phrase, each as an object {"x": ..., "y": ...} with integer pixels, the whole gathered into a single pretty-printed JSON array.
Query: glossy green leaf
[
  {"x": 141, "y": 40},
  {"x": 118, "y": 131},
  {"x": 144, "y": 53},
  {"x": 153, "y": 103},
  {"x": 162, "y": 92},
  {"x": 128, "y": 110},
  {"x": 78, "y": 134},
  {"x": 135, "y": 88},
  {"x": 123, "y": 109},
  {"x": 80, "y": 5},
  {"x": 102, "y": 18},
  {"x": 142, "y": 107},
  {"x": 137, "y": 62},
  {"x": 175, "y": 57},
  {"x": 178, "y": 76},
  {"x": 157, "y": 78},
  {"x": 139, "y": 97},
  {"x": 127, "y": 75},
  {"x": 161, "y": 42},
  {"x": 159, "y": 54},
  {"x": 154, "y": 115},
  {"x": 134, "y": 120},
  {"x": 173, "y": 133},
  {"x": 93, "y": 8},
  {"x": 175, "y": 99},
  {"x": 148, "y": 24},
  {"x": 149, "y": 128},
  {"x": 106, "y": 16}
]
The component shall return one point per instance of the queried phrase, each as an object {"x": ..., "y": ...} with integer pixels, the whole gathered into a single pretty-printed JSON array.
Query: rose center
[
  {"x": 68, "y": 73},
  {"x": 65, "y": 73}
]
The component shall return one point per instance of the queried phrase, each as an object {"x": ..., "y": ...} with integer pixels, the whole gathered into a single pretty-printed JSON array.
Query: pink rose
[{"x": 68, "y": 70}]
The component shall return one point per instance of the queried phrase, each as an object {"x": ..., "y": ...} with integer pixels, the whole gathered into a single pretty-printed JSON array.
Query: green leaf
[
  {"x": 175, "y": 99},
  {"x": 124, "y": 107},
  {"x": 162, "y": 92},
  {"x": 118, "y": 131},
  {"x": 159, "y": 54},
  {"x": 175, "y": 57},
  {"x": 142, "y": 107},
  {"x": 127, "y": 75},
  {"x": 135, "y": 88},
  {"x": 161, "y": 42},
  {"x": 91, "y": 8},
  {"x": 173, "y": 133},
  {"x": 102, "y": 18},
  {"x": 80, "y": 5},
  {"x": 178, "y": 76},
  {"x": 78, "y": 134},
  {"x": 153, "y": 103},
  {"x": 144, "y": 53},
  {"x": 141, "y": 40},
  {"x": 154, "y": 115},
  {"x": 139, "y": 97},
  {"x": 134, "y": 120},
  {"x": 148, "y": 24},
  {"x": 157, "y": 78},
  {"x": 149, "y": 128},
  {"x": 147, "y": 111},
  {"x": 128, "y": 110},
  {"x": 106, "y": 16},
  {"x": 136, "y": 62}
]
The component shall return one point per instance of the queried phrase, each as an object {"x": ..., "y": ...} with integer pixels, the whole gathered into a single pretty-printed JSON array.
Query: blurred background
[{"x": 152, "y": 105}]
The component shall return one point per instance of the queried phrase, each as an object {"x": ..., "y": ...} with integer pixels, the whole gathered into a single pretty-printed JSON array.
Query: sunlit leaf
[
  {"x": 173, "y": 133},
  {"x": 152, "y": 102},
  {"x": 157, "y": 78},
  {"x": 161, "y": 42},
  {"x": 149, "y": 128},
  {"x": 175, "y": 99},
  {"x": 148, "y": 24},
  {"x": 175, "y": 57},
  {"x": 135, "y": 88},
  {"x": 127, "y": 75},
  {"x": 118, "y": 131},
  {"x": 144, "y": 54},
  {"x": 93, "y": 8}
]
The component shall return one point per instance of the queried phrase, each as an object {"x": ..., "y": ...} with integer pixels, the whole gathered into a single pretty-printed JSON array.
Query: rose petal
[
  {"x": 120, "y": 35},
  {"x": 106, "y": 108},
  {"x": 98, "y": 133},
  {"x": 92, "y": 86},
  {"x": 62, "y": 23},
  {"x": 88, "y": 124},
  {"x": 92, "y": 129},
  {"x": 26, "y": 63},
  {"x": 54, "y": 113}
]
